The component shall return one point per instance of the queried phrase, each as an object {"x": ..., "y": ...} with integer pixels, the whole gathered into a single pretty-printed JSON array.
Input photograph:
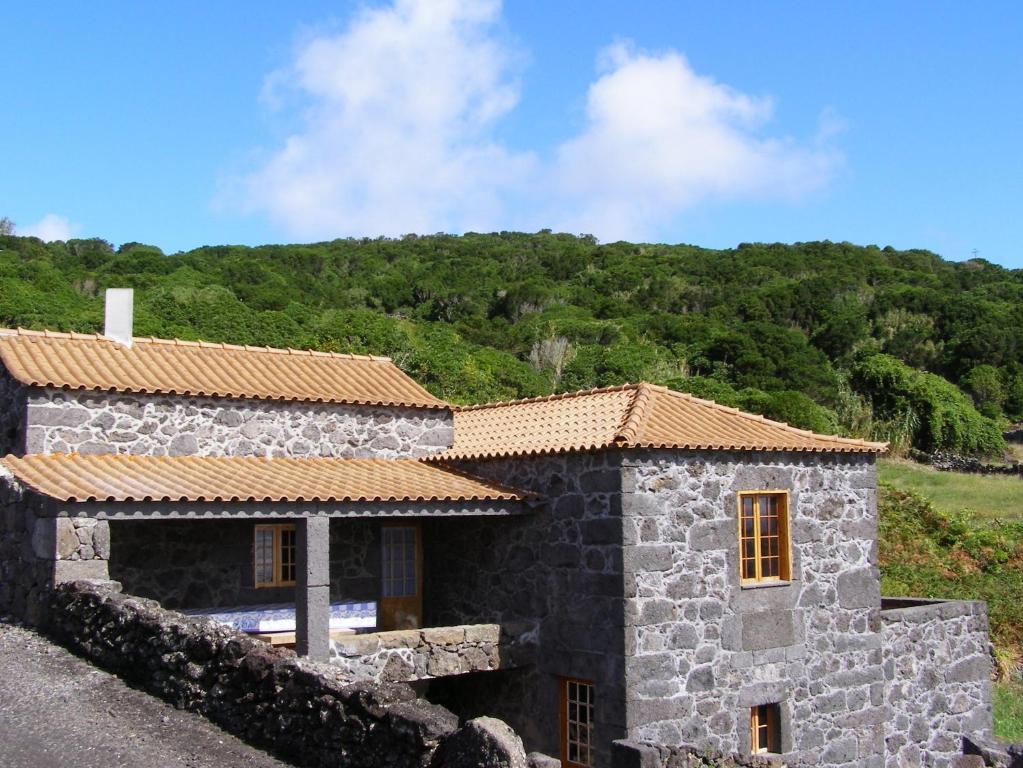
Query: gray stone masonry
[
  {"x": 701, "y": 650},
  {"x": 635, "y": 754},
  {"x": 38, "y": 550},
  {"x": 209, "y": 563},
  {"x": 13, "y": 408},
  {"x": 556, "y": 572},
  {"x": 61, "y": 421},
  {"x": 937, "y": 667},
  {"x": 312, "y": 588},
  {"x": 422, "y": 654}
]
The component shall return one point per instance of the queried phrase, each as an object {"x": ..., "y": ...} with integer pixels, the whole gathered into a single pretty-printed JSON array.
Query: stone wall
[
  {"x": 166, "y": 425},
  {"x": 306, "y": 712},
  {"x": 701, "y": 650},
  {"x": 937, "y": 666},
  {"x": 13, "y": 407},
  {"x": 557, "y": 574},
  {"x": 422, "y": 654},
  {"x": 209, "y": 563},
  {"x": 26, "y": 557},
  {"x": 38, "y": 549},
  {"x": 636, "y": 754}
]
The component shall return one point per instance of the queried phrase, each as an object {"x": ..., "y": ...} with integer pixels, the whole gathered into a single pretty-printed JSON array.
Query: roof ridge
[
  {"x": 764, "y": 419},
  {"x": 635, "y": 415},
  {"x": 546, "y": 398},
  {"x": 185, "y": 343}
]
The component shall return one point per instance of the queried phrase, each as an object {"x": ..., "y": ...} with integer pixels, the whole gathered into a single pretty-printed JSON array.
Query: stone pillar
[{"x": 312, "y": 591}]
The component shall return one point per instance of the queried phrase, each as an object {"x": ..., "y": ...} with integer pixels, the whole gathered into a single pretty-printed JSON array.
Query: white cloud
[
  {"x": 659, "y": 138},
  {"x": 398, "y": 135},
  {"x": 49, "y": 228},
  {"x": 396, "y": 131}
]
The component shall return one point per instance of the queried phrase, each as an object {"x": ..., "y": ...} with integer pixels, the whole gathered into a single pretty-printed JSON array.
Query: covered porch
[{"x": 324, "y": 553}]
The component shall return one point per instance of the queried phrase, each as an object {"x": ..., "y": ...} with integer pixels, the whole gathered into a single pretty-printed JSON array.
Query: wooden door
[{"x": 401, "y": 587}]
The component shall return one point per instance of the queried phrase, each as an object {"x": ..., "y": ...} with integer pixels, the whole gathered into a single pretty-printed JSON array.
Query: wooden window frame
[
  {"x": 278, "y": 554},
  {"x": 765, "y": 719},
  {"x": 563, "y": 717},
  {"x": 784, "y": 539}
]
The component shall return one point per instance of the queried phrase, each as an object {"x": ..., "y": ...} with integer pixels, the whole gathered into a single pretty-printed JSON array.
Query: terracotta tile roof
[
  {"x": 629, "y": 416},
  {"x": 92, "y": 362},
  {"x": 73, "y": 477}
]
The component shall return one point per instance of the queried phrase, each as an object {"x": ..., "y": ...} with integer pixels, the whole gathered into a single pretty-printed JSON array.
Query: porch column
[{"x": 312, "y": 590}]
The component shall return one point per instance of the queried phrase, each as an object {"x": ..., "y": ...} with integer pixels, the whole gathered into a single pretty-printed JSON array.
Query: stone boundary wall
[
  {"x": 59, "y": 421},
  {"x": 642, "y": 754},
  {"x": 937, "y": 667},
  {"x": 421, "y": 654},
  {"x": 307, "y": 712},
  {"x": 950, "y": 462}
]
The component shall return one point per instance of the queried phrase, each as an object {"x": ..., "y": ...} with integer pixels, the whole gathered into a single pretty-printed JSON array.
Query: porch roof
[{"x": 119, "y": 478}]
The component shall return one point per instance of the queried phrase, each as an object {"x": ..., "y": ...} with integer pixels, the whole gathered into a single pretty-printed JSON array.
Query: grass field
[
  {"x": 988, "y": 496},
  {"x": 1009, "y": 711}
]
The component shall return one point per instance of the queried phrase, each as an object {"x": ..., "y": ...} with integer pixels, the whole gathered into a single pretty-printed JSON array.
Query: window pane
[{"x": 264, "y": 554}]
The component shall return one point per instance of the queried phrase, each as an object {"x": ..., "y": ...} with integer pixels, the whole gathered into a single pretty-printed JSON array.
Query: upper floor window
[
  {"x": 274, "y": 555},
  {"x": 764, "y": 536}
]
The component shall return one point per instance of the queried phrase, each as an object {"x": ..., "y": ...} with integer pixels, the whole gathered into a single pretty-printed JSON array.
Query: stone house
[{"x": 628, "y": 563}]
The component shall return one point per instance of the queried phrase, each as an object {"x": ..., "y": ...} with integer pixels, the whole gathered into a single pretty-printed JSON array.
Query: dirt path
[{"x": 58, "y": 710}]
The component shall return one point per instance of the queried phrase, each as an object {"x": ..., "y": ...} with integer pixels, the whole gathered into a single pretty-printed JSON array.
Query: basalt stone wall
[
  {"x": 26, "y": 550},
  {"x": 162, "y": 425},
  {"x": 557, "y": 574},
  {"x": 636, "y": 754},
  {"x": 701, "y": 649},
  {"x": 13, "y": 407},
  {"x": 209, "y": 563},
  {"x": 421, "y": 654},
  {"x": 937, "y": 669},
  {"x": 307, "y": 712}
]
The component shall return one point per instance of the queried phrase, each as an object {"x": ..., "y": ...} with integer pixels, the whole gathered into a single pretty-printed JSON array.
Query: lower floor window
[
  {"x": 274, "y": 555},
  {"x": 578, "y": 699},
  {"x": 765, "y": 728}
]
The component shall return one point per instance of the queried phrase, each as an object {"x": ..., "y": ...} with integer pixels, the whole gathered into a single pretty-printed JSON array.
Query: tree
[{"x": 6, "y": 226}]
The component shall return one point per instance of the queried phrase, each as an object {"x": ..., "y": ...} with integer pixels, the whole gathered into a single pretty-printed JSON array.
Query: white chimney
[{"x": 118, "y": 318}]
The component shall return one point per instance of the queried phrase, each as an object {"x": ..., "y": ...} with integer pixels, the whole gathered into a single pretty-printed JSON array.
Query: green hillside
[{"x": 895, "y": 345}]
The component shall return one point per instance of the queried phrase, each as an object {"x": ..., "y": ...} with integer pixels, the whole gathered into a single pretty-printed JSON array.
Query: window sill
[{"x": 764, "y": 584}]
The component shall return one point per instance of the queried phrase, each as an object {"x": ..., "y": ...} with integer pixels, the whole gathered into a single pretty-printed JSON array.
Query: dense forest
[{"x": 864, "y": 341}]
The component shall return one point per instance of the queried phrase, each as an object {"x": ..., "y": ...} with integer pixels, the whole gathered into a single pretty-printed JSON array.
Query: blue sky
[{"x": 708, "y": 123}]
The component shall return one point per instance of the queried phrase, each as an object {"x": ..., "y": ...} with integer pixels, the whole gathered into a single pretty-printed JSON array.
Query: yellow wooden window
[
  {"x": 578, "y": 703},
  {"x": 764, "y": 536},
  {"x": 274, "y": 555},
  {"x": 764, "y": 729}
]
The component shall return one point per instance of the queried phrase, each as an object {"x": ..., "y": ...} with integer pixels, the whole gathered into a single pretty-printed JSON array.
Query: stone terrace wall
[
  {"x": 701, "y": 650},
  {"x": 306, "y": 712},
  {"x": 422, "y": 654},
  {"x": 637, "y": 754},
  {"x": 13, "y": 407},
  {"x": 162, "y": 425},
  {"x": 937, "y": 667}
]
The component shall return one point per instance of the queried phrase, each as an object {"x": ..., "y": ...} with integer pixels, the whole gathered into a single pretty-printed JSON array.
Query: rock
[{"x": 485, "y": 742}]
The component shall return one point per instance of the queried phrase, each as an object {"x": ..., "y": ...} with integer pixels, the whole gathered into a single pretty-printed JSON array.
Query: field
[
  {"x": 931, "y": 547},
  {"x": 988, "y": 496},
  {"x": 1009, "y": 711}
]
